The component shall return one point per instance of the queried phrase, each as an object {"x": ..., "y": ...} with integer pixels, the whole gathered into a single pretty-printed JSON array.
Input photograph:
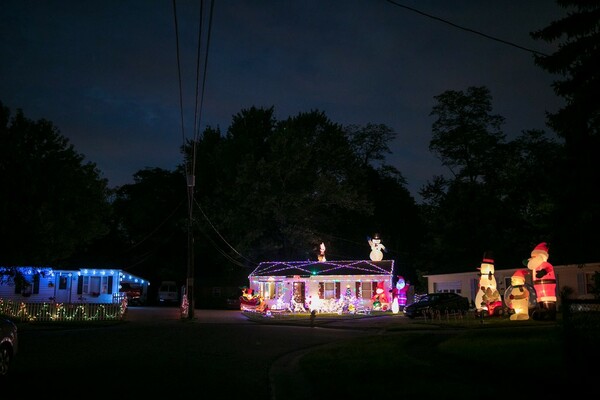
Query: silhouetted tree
[
  {"x": 53, "y": 202},
  {"x": 578, "y": 122}
]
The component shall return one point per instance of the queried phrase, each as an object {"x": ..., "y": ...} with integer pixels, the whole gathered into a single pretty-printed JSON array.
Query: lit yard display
[
  {"x": 519, "y": 296},
  {"x": 487, "y": 298},
  {"x": 544, "y": 282},
  {"x": 322, "y": 286},
  {"x": 399, "y": 295}
]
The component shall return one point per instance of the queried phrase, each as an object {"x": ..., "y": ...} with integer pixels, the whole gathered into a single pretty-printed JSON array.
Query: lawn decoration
[
  {"x": 487, "y": 300},
  {"x": 492, "y": 301},
  {"x": 321, "y": 256},
  {"x": 517, "y": 295},
  {"x": 544, "y": 282},
  {"x": 380, "y": 300},
  {"x": 249, "y": 301},
  {"x": 399, "y": 295},
  {"x": 377, "y": 248}
]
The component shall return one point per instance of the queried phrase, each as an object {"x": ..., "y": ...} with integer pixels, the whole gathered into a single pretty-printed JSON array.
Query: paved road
[{"x": 157, "y": 352}]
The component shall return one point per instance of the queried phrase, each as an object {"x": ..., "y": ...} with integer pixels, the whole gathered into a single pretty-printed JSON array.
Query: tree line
[{"x": 268, "y": 189}]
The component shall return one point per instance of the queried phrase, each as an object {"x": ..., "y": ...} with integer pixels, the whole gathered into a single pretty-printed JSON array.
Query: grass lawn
[{"x": 464, "y": 358}]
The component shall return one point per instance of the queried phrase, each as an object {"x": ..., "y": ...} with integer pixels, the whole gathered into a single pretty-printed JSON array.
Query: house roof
[
  {"x": 46, "y": 270},
  {"x": 324, "y": 268}
]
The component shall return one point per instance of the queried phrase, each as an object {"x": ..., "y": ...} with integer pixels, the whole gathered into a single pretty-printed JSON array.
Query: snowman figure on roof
[
  {"x": 377, "y": 248},
  {"x": 321, "y": 257}
]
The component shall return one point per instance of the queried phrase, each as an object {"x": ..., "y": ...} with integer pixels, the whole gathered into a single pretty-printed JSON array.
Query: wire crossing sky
[{"x": 107, "y": 73}]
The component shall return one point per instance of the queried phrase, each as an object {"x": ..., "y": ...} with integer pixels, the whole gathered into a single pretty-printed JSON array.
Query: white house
[
  {"x": 84, "y": 285},
  {"x": 577, "y": 279},
  {"x": 316, "y": 285}
]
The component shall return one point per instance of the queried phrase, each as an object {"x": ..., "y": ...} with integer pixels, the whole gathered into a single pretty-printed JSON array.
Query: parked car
[
  {"x": 233, "y": 303},
  {"x": 168, "y": 293},
  {"x": 437, "y": 302},
  {"x": 9, "y": 344},
  {"x": 133, "y": 293}
]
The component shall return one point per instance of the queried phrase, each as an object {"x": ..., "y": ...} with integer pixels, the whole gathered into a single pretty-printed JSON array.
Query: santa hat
[
  {"x": 541, "y": 248},
  {"x": 520, "y": 273}
]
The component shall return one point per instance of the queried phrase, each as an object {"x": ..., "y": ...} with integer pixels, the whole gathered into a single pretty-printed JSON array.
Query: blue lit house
[{"x": 79, "y": 286}]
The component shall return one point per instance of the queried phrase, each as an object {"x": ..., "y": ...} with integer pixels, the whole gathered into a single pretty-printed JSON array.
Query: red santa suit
[{"x": 544, "y": 280}]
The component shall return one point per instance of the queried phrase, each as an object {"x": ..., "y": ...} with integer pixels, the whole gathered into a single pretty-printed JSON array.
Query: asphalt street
[{"x": 157, "y": 352}]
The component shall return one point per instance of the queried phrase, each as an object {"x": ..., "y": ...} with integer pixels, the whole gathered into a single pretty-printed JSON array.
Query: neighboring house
[
  {"x": 84, "y": 285},
  {"x": 575, "y": 279},
  {"x": 314, "y": 285}
]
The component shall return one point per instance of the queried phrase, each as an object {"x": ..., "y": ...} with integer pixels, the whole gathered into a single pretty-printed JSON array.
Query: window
[
  {"x": 329, "y": 290},
  {"x": 589, "y": 283},
  {"x": 96, "y": 285},
  {"x": 447, "y": 287},
  {"x": 267, "y": 290},
  {"x": 62, "y": 282},
  {"x": 367, "y": 290},
  {"x": 27, "y": 285}
]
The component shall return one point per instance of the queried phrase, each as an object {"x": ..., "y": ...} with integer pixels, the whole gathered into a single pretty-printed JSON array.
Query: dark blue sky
[{"x": 106, "y": 72}]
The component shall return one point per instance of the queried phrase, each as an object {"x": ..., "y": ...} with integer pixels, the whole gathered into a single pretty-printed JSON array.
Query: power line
[
  {"x": 223, "y": 239},
  {"x": 466, "y": 29}
]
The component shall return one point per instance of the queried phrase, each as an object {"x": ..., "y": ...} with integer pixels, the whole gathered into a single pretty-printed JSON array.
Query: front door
[
  {"x": 299, "y": 295},
  {"x": 63, "y": 289}
]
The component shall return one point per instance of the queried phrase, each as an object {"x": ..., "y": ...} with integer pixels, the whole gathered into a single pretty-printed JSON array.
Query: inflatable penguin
[{"x": 516, "y": 296}]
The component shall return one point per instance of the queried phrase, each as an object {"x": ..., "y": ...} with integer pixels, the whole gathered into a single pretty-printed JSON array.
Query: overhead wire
[
  {"x": 466, "y": 29},
  {"x": 179, "y": 78},
  {"x": 198, "y": 107},
  {"x": 222, "y": 238},
  {"x": 149, "y": 235},
  {"x": 200, "y": 91}
]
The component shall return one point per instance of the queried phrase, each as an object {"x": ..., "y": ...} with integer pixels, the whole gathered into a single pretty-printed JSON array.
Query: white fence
[{"x": 62, "y": 312}]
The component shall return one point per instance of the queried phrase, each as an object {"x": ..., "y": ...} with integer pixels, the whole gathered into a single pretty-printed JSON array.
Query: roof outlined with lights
[{"x": 323, "y": 268}]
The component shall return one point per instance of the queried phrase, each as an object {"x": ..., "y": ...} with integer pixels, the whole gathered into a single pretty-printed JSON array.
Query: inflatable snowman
[
  {"x": 321, "y": 257},
  {"x": 377, "y": 248},
  {"x": 487, "y": 280}
]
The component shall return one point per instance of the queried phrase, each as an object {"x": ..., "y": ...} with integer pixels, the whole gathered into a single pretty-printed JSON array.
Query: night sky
[{"x": 106, "y": 72}]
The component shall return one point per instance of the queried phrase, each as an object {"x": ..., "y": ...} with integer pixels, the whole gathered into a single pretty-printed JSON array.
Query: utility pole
[{"x": 190, "y": 267}]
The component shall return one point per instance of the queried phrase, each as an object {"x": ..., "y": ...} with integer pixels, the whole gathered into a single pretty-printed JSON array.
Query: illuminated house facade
[
  {"x": 316, "y": 285},
  {"x": 93, "y": 285}
]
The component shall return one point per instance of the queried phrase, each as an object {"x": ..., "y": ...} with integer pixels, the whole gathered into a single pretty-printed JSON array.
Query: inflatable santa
[
  {"x": 544, "y": 283},
  {"x": 380, "y": 300},
  {"x": 399, "y": 295}
]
